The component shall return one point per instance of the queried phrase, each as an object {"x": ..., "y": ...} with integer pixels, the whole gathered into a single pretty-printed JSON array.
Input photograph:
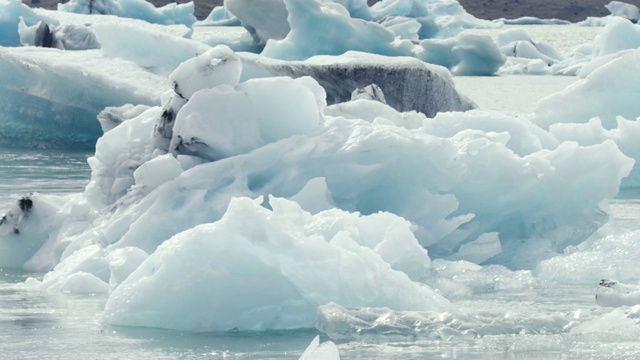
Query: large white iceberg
[{"x": 259, "y": 269}]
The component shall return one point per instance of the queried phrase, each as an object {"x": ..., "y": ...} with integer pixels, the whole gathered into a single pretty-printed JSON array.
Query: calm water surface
[{"x": 43, "y": 171}]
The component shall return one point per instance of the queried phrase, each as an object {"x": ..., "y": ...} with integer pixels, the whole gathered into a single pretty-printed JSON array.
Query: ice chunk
[
  {"x": 619, "y": 323},
  {"x": 480, "y": 250},
  {"x": 593, "y": 132},
  {"x": 325, "y": 351},
  {"x": 65, "y": 91},
  {"x": 136, "y": 9},
  {"x": 466, "y": 54},
  {"x": 615, "y": 294},
  {"x": 11, "y": 13},
  {"x": 407, "y": 84},
  {"x": 257, "y": 269},
  {"x": 112, "y": 116},
  {"x": 367, "y": 324},
  {"x": 118, "y": 154},
  {"x": 215, "y": 67},
  {"x": 315, "y": 26},
  {"x": 157, "y": 171},
  {"x": 233, "y": 130},
  {"x": 370, "y": 92},
  {"x": 285, "y": 107},
  {"x": 531, "y": 20},
  {"x": 123, "y": 262},
  {"x": 594, "y": 96},
  {"x": 84, "y": 270},
  {"x": 448, "y": 17},
  {"x": 252, "y": 15},
  {"x": 254, "y": 113},
  {"x": 156, "y": 52},
  {"x": 518, "y": 43},
  {"x": 219, "y": 16},
  {"x": 24, "y": 229},
  {"x": 624, "y": 10},
  {"x": 314, "y": 197}
]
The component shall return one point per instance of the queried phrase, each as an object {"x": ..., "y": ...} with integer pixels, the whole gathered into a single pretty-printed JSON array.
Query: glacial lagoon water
[{"x": 526, "y": 322}]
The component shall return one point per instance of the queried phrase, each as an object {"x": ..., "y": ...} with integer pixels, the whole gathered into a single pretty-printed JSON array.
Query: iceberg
[
  {"x": 530, "y": 20},
  {"x": 11, "y": 11},
  {"x": 65, "y": 90},
  {"x": 407, "y": 84},
  {"x": 136, "y": 9},
  {"x": 624, "y": 10},
  {"x": 315, "y": 26},
  {"x": 252, "y": 15},
  {"x": 356, "y": 193},
  {"x": 594, "y": 97},
  {"x": 466, "y": 54},
  {"x": 300, "y": 29},
  {"x": 291, "y": 258}
]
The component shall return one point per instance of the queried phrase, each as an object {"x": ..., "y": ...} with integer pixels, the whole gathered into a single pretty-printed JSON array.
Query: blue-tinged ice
[
  {"x": 294, "y": 260},
  {"x": 50, "y": 98},
  {"x": 465, "y": 54},
  {"x": 136, "y": 9},
  {"x": 10, "y": 13}
]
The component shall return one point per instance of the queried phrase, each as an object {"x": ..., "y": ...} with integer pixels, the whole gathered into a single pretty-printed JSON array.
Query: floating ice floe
[
  {"x": 293, "y": 31},
  {"x": 595, "y": 97},
  {"x": 524, "y": 55},
  {"x": 530, "y": 20},
  {"x": 465, "y": 54},
  {"x": 172, "y": 13},
  {"x": 407, "y": 84},
  {"x": 624, "y": 10},
  {"x": 618, "y": 9}
]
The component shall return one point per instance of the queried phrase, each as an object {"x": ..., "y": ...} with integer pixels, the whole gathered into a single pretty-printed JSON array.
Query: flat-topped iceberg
[
  {"x": 64, "y": 91},
  {"x": 169, "y": 14}
]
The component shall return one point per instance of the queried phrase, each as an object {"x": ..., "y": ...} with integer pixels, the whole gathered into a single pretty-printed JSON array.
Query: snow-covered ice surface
[{"x": 324, "y": 213}]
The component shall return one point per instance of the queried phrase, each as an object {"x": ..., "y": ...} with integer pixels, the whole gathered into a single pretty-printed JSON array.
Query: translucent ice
[
  {"x": 275, "y": 266},
  {"x": 137, "y": 9}
]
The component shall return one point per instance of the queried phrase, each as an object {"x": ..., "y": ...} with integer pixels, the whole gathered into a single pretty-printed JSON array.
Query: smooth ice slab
[{"x": 50, "y": 98}]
